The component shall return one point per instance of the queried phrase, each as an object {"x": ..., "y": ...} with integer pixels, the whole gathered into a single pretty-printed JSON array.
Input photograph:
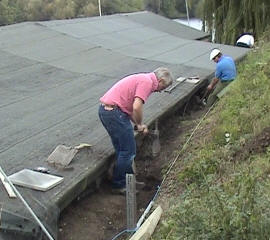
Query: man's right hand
[
  {"x": 212, "y": 84},
  {"x": 209, "y": 87},
  {"x": 142, "y": 128}
]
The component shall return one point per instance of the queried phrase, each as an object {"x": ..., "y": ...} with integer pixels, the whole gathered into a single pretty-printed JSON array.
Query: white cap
[{"x": 214, "y": 53}]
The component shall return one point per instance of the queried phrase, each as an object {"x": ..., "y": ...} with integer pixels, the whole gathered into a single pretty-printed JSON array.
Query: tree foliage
[
  {"x": 8, "y": 12},
  {"x": 120, "y": 6},
  {"x": 172, "y": 8},
  {"x": 12, "y": 11},
  {"x": 230, "y": 18},
  {"x": 225, "y": 186}
]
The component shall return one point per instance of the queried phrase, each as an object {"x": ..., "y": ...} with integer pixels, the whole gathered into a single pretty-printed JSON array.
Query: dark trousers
[
  {"x": 118, "y": 125},
  {"x": 240, "y": 44},
  {"x": 213, "y": 95}
]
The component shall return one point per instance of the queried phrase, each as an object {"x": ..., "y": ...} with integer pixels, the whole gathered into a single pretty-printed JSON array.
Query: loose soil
[
  {"x": 257, "y": 144},
  {"x": 101, "y": 215}
]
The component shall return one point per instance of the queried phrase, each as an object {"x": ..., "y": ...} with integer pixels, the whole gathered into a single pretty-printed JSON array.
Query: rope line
[
  {"x": 184, "y": 146},
  {"x": 165, "y": 177}
]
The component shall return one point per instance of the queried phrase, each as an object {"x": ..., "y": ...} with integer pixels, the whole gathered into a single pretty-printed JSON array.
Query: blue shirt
[{"x": 225, "y": 69}]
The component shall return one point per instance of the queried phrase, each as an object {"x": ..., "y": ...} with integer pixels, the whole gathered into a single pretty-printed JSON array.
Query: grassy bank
[{"x": 225, "y": 181}]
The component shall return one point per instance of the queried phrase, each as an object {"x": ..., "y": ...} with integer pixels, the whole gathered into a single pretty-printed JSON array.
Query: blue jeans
[{"x": 118, "y": 125}]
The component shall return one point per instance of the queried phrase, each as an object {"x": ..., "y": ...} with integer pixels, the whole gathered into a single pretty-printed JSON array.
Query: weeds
[
  {"x": 236, "y": 209},
  {"x": 227, "y": 186}
]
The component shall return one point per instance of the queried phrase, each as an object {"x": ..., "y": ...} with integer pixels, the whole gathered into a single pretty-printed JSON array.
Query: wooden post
[
  {"x": 8, "y": 188},
  {"x": 146, "y": 230}
]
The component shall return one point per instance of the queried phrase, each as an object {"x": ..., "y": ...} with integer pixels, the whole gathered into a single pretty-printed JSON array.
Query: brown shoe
[
  {"x": 120, "y": 191},
  {"x": 140, "y": 185}
]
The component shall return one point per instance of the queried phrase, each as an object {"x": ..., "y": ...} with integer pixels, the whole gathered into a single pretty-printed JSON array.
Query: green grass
[{"x": 226, "y": 187}]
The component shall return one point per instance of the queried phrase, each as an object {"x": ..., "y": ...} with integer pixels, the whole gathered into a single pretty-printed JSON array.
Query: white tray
[{"x": 35, "y": 180}]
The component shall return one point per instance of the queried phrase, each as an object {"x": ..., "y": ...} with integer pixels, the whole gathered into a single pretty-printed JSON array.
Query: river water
[{"x": 193, "y": 22}]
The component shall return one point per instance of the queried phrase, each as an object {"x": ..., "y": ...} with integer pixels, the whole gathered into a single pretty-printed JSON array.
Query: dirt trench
[{"x": 102, "y": 215}]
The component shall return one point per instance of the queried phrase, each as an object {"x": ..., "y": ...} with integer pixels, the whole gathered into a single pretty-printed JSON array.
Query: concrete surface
[{"x": 52, "y": 76}]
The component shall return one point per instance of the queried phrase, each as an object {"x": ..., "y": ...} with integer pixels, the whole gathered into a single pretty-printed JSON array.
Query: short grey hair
[{"x": 165, "y": 74}]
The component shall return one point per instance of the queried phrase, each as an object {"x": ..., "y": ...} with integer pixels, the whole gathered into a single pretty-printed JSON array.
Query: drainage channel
[{"x": 100, "y": 215}]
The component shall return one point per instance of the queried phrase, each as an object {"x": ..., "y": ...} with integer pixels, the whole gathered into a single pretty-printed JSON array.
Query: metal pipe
[
  {"x": 26, "y": 205},
  {"x": 144, "y": 214},
  {"x": 187, "y": 11},
  {"x": 146, "y": 211},
  {"x": 99, "y": 7}
]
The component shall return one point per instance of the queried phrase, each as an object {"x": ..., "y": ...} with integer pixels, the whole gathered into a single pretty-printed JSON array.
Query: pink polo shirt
[{"x": 124, "y": 91}]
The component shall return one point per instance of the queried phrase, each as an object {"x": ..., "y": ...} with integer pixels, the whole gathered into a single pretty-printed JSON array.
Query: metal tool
[
  {"x": 45, "y": 170},
  {"x": 178, "y": 82},
  {"x": 156, "y": 143},
  {"x": 42, "y": 170},
  {"x": 169, "y": 90},
  {"x": 155, "y": 136},
  {"x": 205, "y": 96}
]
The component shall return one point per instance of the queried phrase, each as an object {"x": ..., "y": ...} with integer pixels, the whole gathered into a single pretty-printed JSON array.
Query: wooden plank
[
  {"x": 146, "y": 230},
  {"x": 8, "y": 188}
]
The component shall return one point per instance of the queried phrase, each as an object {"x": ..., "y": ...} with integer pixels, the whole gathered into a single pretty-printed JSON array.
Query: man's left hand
[{"x": 145, "y": 129}]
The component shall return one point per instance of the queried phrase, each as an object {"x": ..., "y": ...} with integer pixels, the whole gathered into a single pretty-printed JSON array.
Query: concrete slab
[
  {"x": 150, "y": 48},
  {"x": 90, "y": 61},
  {"x": 196, "y": 53},
  {"x": 165, "y": 25},
  {"x": 24, "y": 34},
  {"x": 31, "y": 79},
  {"x": 83, "y": 27},
  {"x": 52, "y": 77},
  {"x": 127, "y": 37},
  {"x": 58, "y": 47},
  {"x": 10, "y": 62}
]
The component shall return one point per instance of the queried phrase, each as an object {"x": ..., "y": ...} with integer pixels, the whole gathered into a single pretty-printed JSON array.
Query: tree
[
  {"x": 64, "y": 9},
  {"x": 169, "y": 8},
  {"x": 7, "y": 12},
  {"x": 153, "y": 5},
  {"x": 120, "y": 6},
  {"x": 230, "y": 18},
  {"x": 89, "y": 9}
]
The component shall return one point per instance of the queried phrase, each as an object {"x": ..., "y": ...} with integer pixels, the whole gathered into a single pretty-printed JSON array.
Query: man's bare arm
[
  {"x": 213, "y": 83},
  {"x": 137, "y": 113},
  {"x": 137, "y": 116}
]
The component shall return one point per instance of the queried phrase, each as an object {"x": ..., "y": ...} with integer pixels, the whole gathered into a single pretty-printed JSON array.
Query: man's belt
[{"x": 109, "y": 107}]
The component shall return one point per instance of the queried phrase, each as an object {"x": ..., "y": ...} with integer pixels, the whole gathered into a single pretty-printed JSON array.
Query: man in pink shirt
[{"x": 122, "y": 103}]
